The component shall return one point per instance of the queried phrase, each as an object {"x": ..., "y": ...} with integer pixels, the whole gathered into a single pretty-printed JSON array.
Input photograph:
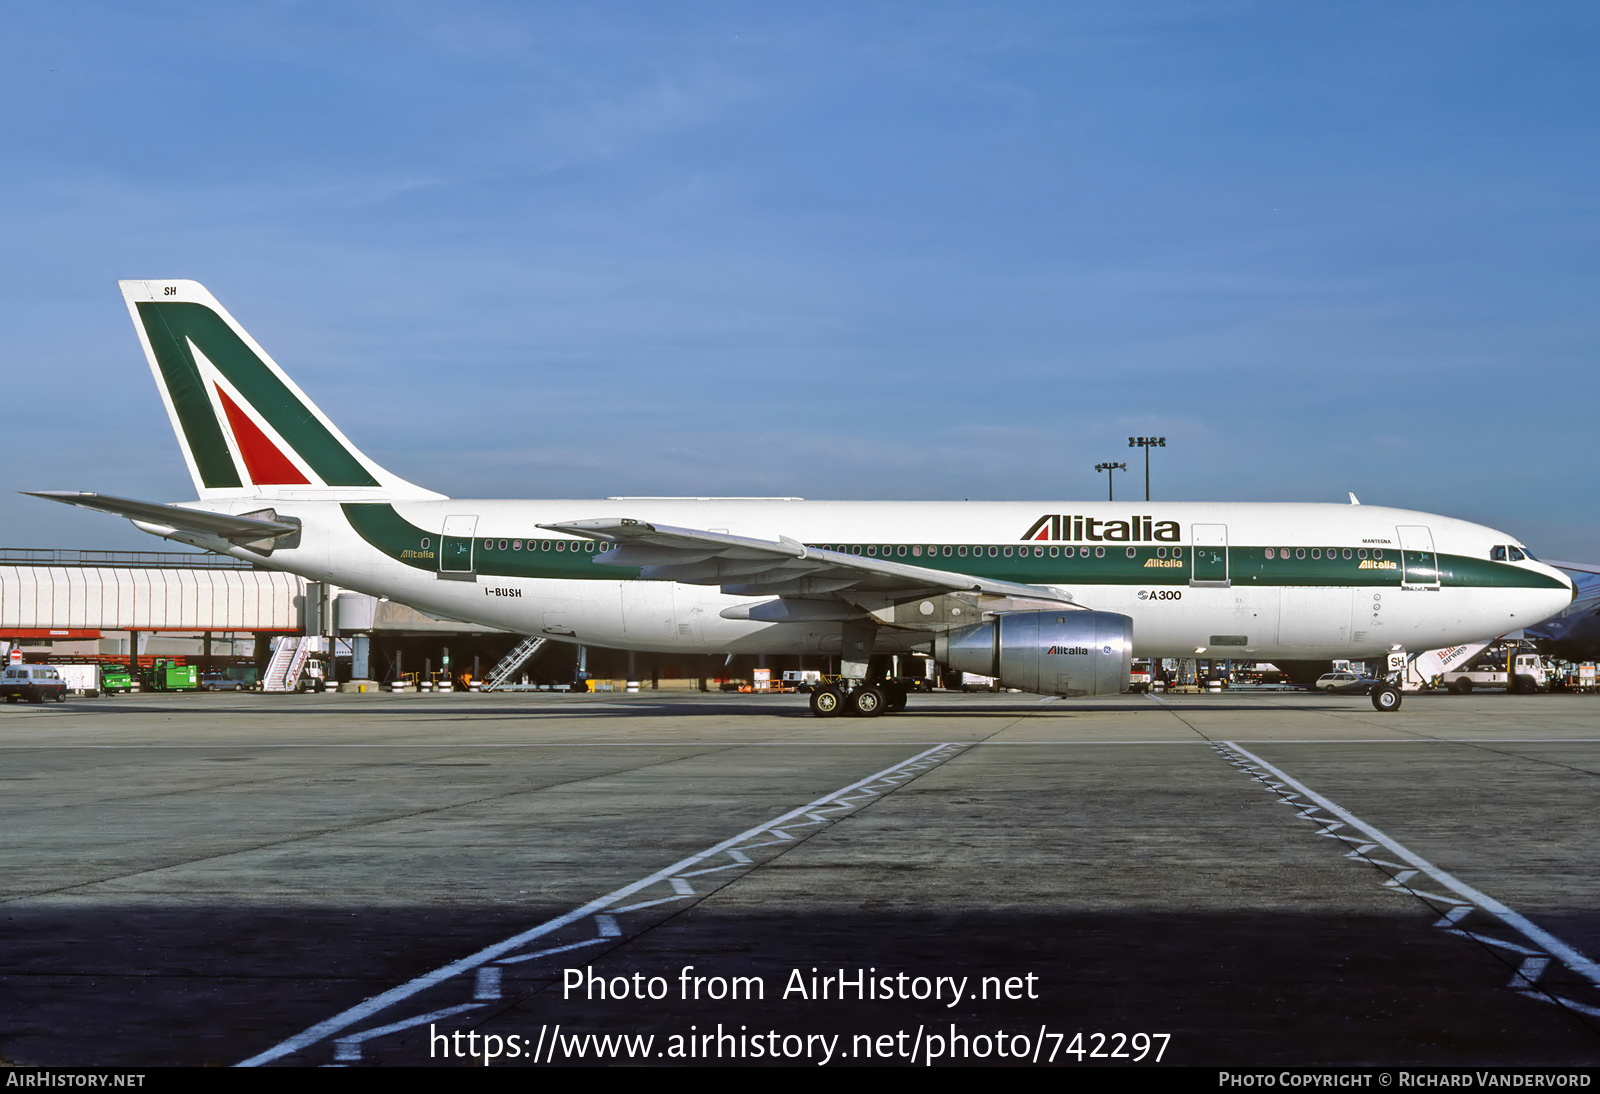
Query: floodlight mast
[
  {"x": 1147, "y": 443},
  {"x": 1110, "y": 467}
]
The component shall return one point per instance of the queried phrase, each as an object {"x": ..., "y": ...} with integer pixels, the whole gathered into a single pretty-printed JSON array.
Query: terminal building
[{"x": 213, "y": 611}]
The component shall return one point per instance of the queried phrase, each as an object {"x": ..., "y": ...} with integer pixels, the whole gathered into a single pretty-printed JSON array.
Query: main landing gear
[{"x": 863, "y": 701}]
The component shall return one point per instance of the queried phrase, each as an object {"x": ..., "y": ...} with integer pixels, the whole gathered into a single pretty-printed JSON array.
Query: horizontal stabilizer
[{"x": 177, "y": 517}]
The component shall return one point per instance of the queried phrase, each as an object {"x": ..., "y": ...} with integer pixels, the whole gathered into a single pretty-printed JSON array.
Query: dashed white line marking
[
  {"x": 603, "y": 909},
  {"x": 1466, "y": 901},
  {"x": 348, "y": 1049},
  {"x": 1578, "y": 962},
  {"x": 559, "y": 949},
  {"x": 487, "y": 985}
]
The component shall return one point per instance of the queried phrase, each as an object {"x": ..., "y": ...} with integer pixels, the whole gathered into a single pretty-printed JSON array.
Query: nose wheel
[{"x": 1386, "y": 697}]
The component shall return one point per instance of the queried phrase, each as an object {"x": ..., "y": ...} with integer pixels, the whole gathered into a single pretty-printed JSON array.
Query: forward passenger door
[{"x": 1419, "y": 564}]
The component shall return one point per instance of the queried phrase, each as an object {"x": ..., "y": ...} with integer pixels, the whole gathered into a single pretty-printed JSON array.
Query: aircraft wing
[
  {"x": 176, "y": 518},
  {"x": 782, "y": 567}
]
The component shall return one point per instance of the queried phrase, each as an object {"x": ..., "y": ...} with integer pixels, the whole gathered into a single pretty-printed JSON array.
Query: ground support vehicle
[
  {"x": 1526, "y": 676},
  {"x": 168, "y": 675},
  {"x": 81, "y": 679},
  {"x": 801, "y": 679},
  {"x": 115, "y": 678},
  {"x": 35, "y": 683}
]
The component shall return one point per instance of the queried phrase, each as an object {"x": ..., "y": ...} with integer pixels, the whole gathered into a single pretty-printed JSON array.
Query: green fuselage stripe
[{"x": 396, "y": 537}]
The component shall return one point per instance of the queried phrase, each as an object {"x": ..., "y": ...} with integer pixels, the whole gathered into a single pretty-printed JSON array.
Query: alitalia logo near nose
[{"x": 1078, "y": 529}]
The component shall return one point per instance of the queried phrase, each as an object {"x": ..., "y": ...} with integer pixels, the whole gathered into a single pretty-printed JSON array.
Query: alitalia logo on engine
[
  {"x": 1136, "y": 529},
  {"x": 1067, "y": 651}
]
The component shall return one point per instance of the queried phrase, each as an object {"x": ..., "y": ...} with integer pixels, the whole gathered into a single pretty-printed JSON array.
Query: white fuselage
[{"x": 1286, "y": 607}]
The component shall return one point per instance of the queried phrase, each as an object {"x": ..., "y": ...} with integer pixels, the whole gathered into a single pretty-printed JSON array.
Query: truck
[
  {"x": 115, "y": 678},
  {"x": 81, "y": 679},
  {"x": 167, "y": 675},
  {"x": 1526, "y": 676}
]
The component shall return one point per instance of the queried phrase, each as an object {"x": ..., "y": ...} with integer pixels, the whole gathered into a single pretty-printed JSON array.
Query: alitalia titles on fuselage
[{"x": 1079, "y": 529}]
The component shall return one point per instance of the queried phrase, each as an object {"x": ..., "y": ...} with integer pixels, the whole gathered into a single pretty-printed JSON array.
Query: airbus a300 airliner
[{"x": 1049, "y": 597}]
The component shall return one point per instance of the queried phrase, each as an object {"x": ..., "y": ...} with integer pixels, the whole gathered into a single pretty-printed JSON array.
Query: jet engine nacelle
[{"x": 1052, "y": 653}]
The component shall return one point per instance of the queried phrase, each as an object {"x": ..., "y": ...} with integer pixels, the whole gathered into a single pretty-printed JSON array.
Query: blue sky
[{"x": 856, "y": 250}]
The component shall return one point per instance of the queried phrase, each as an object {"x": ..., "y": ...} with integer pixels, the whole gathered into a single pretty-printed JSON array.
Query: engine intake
[{"x": 1051, "y": 653}]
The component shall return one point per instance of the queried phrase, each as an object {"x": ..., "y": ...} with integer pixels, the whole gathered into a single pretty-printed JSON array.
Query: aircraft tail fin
[{"x": 245, "y": 428}]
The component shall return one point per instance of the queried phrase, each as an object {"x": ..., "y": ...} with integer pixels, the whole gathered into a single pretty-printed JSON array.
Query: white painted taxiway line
[
  {"x": 467, "y": 746},
  {"x": 1402, "y": 880},
  {"x": 376, "y": 1004}
]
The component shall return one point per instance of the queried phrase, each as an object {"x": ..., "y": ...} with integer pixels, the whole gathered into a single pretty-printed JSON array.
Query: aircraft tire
[
  {"x": 826, "y": 702},
  {"x": 1386, "y": 697},
  {"x": 867, "y": 701}
]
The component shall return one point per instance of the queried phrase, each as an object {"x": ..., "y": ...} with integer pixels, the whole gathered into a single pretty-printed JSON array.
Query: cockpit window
[
  {"x": 1498, "y": 554},
  {"x": 1517, "y": 555}
]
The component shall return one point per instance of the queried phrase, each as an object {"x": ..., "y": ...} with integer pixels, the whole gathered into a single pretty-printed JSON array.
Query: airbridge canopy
[
  {"x": 86, "y": 596},
  {"x": 45, "y": 590}
]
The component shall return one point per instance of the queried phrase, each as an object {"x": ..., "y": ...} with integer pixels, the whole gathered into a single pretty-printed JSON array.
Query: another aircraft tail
[{"x": 246, "y": 429}]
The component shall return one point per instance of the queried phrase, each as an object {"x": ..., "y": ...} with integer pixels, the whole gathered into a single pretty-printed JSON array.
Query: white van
[{"x": 1527, "y": 676}]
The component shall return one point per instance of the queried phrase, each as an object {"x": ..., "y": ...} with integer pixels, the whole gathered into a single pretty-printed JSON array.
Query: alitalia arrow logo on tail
[
  {"x": 246, "y": 429},
  {"x": 242, "y": 423}
]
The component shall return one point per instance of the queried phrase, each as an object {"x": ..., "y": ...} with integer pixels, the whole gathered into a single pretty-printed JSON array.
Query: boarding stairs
[
  {"x": 1421, "y": 668},
  {"x": 499, "y": 676},
  {"x": 289, "y": 658}
]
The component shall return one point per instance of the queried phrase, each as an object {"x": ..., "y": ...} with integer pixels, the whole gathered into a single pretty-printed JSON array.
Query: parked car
[
  {"x": 220, "y": 681},
  {"x": 35, "y": 683},
  {"x": 1345, "y": 683}
]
